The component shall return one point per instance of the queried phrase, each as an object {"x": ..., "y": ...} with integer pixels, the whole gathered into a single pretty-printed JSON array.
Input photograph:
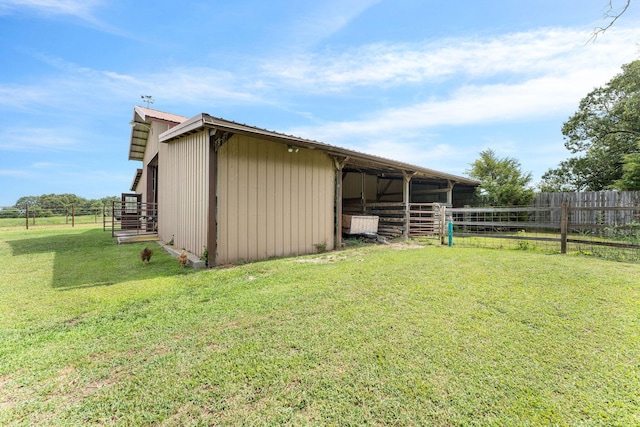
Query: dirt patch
[
  {"x": 72, "y": 322},
  {"x": 325, "y": 259},
  {"x": 6, "y": 402},
  {"x": 401, "y": 246}
]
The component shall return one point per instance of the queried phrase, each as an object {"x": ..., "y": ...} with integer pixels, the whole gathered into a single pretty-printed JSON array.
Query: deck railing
[{"x": 133, "y": 218}]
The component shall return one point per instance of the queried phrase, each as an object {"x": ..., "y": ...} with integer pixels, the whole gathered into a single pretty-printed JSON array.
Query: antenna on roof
[{"x": 148, "y": 99}]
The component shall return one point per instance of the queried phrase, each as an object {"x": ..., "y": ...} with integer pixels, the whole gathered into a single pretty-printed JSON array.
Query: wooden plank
[{"x": 601, "y": 243}]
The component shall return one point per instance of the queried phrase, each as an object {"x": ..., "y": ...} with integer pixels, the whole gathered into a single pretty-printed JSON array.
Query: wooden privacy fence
[{"x": 588, "y": 199}]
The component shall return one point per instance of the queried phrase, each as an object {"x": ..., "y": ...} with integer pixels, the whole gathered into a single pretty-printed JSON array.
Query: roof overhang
[
  {"x": 349, "y": 160},
  {"x": 141, "y": 128},
  {"x": 136, "y": 179}
]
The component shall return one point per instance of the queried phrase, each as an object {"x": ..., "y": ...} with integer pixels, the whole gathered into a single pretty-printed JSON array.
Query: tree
[
  {"x": 502, "y": 183},
  {"x": 612, "y": 14},
  {"x": 27, "y": 200},
  {"x": 60, "y": 204},
  {"x": 604, "y": 134}
]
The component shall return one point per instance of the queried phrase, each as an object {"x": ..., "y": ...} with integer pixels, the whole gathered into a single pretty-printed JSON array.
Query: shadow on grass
[{"x": 92, "y": 259}]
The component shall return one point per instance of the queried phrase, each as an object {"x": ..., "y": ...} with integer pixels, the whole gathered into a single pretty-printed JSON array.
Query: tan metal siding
[
  {"x": 183, "y": 193},
  {"x": 272, "y": 202},
  {"x": 149, "y": 153}
]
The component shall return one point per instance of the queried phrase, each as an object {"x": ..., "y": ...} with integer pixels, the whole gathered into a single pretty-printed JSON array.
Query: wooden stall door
[{"x": 131, "y": 211}]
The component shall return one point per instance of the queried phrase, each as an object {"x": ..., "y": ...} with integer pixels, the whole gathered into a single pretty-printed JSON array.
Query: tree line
[{"x": 56, "y": 204}]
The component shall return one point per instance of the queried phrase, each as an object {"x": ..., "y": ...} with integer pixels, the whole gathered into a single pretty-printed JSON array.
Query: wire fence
[
  {"x": 606, "y": 232},
  {"x": 37, "y": 216}
]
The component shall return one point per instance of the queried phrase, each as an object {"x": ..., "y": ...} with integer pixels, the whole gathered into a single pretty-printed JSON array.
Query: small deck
[{"x": 132, "y": 222}]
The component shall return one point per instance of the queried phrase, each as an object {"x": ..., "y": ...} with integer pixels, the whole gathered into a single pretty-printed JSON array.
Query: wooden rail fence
[{"x": 616, "y": 227}]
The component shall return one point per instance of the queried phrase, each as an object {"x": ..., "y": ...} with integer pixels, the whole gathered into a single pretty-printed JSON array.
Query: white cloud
[
  {"x": 80, "y": 8},
  {"x": 91, "y": 87},
  {"x": 325, "y": 19},
  {"x": 543, "y": 73},
  {"x": 544, "y": 51},
  {"x": 14, "y": 173},
  {"x": 474, "y": 104},
  {"x": 38, "y": 139},
  {"x": 84, "y": 10},
  {"x": 201, "y": 85},
  {"x": 17, "y": 97}
]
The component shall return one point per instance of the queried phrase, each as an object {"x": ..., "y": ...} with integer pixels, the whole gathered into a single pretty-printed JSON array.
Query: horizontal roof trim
[{"x": 367, "y": 161}]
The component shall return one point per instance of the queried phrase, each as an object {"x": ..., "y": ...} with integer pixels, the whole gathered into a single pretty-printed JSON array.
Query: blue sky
[{"x": 425, "y": 82}]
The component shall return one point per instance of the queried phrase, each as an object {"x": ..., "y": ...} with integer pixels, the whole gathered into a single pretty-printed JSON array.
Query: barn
[{"x": 237, "y": 193}]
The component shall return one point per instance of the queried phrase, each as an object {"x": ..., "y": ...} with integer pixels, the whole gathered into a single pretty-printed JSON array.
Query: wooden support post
[
  {"x": 26, "y": 208},
  {"x": 215, "y": 143},
  {"x": 406, "y": 200},
  {"x": 73, "y": 215},
  {"x": 450, "y": 193},
  {"x": 564, "y": 227},
  {"x": 338, "y": 201}
]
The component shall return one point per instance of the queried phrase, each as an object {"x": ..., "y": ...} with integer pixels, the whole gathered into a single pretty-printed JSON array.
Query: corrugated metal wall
[
  {"x": 272, "y": 202},
  {"x": 183, "y": 194}
]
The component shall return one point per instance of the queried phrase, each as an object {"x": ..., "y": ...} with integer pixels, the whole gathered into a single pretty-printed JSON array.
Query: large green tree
[
  {"x": 502, "y": 182},
  {"x": 603, "y": 135},
  {"x": 61, "y": 203}
]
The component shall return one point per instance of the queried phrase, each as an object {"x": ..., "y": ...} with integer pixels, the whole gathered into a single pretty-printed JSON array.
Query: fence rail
[
  {"x": 565, "y": 228},
  {"x": 31, "y": 216},
  {"x": 423, "y": 218}
]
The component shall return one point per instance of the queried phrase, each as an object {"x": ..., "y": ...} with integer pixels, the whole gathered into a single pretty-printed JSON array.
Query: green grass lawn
[{"x": 374, "y": 335}]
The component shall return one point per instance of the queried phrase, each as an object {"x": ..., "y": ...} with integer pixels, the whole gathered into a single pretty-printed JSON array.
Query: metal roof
[
  {"x": 149, "y": 114},
  {"x": 352, "y": 160},
  {"x": 136, "y": 179},
  {"x": 141, "y": 127}
]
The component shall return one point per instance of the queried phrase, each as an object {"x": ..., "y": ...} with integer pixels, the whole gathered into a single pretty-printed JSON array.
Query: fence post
[
  {"x": 26, "y": 208},
  {"x": 113, "y": 218},
  {"x": 73, "y": 215},
  {"x": 564, "y": 227},
  {"x": 443, "y": 213}
]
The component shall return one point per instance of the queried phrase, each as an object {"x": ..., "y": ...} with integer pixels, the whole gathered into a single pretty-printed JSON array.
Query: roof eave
[{"x": 203, "y": 121}]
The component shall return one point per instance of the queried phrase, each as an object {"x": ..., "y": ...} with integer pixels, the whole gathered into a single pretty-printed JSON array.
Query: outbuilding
[{"x": 237, "y": 193}]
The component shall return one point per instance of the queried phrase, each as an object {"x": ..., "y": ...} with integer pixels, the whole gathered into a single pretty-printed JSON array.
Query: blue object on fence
[{"x": 450, "y": 232}]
